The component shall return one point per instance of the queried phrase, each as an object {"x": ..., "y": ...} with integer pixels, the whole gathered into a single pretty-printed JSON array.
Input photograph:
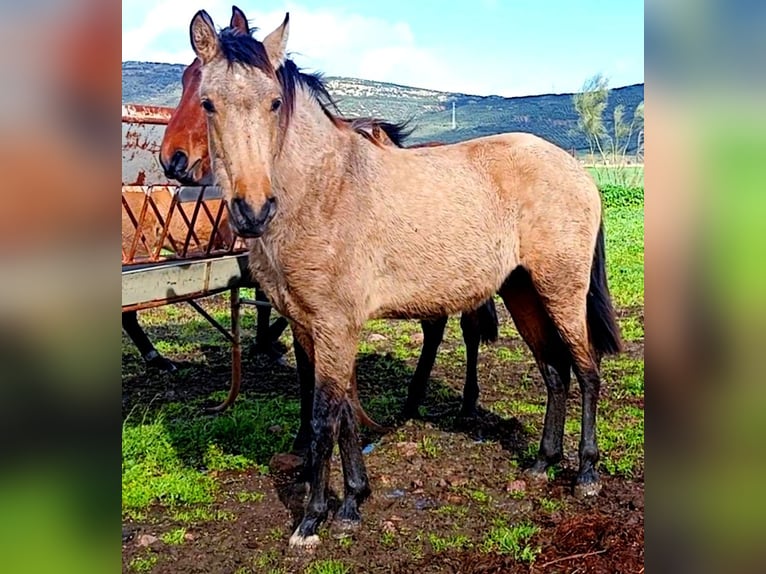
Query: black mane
[
  {"x": 240, "y": 48},
  {"x": 244, "y": 49}
]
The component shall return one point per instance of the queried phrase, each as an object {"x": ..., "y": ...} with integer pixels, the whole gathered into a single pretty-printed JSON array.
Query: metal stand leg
[{"x": 236, "y": 354}]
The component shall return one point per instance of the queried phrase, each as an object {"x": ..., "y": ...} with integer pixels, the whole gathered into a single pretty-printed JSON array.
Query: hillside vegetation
[{"x": 551, "y": 116}]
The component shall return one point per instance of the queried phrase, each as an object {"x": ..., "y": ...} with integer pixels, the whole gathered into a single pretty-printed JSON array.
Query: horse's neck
[{"x": 313, "y": 159}]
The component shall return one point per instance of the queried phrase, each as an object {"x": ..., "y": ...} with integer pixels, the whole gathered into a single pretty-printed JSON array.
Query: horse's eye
[
  {"x": 208, "y": 105},
  {"x": 275, "y": 104}
]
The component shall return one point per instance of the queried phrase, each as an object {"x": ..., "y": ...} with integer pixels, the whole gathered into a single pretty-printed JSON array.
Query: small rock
[
  {"x": 146, "y": 540},
  {"x": 457, "y": 480},
  {"x": 417, "y": 338},
  {"x": 425, "y": 504},
  {"x": 375, "y": 337},
  {"x": 395, "y": 493},
  {"x": 388, "y": 526},
  {"x": 189, "y": 536},
  {"x": 441, "y": 483},
  {"x": 275, "y": 429},
  {"x": 409, "y": 449},
  {"x": 516, "y": 486}
]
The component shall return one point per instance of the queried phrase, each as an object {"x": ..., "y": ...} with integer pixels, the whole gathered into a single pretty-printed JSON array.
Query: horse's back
[{"x": 488, "y": 204}]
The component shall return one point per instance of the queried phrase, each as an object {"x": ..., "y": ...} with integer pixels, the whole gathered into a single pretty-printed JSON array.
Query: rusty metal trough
[{"x": 177, "y": 245}]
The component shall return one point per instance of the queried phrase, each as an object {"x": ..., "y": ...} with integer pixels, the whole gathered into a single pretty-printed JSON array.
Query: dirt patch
[{"x": 440, "y": 485}]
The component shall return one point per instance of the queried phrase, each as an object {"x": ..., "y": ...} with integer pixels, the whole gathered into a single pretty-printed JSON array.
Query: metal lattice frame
[{"x": 177, "y": 245}]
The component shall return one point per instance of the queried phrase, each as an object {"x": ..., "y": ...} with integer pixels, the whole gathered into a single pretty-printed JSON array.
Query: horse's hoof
[
  {"x": 304, "y": 542},
  {"x": 587, "y": 489},
  {"x": 163, "y": 364},
  {"x": 346, "y": 525}
]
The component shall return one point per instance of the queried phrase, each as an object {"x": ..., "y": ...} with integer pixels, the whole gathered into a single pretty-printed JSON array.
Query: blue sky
[{"x": 504, "y": 47}]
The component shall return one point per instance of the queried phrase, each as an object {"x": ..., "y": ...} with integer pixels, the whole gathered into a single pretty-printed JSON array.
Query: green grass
[
  {"x": 479, "y": 496},
  {"x": 452, "y": 511},
  {"x": 621, "y": 441},
  {"x": 429, "y": 447},
  {"x": 620, "y": 436},
  {"x": 167, "y": 456},
  {"x": 246, "y": 496},
  {"x": 630, "y": 176},
  {"x": 457, "y": 542},
  {"x": 625, "y": 374},
  {"x": 143, "y": 563},
  {"x": 388, "y": 539},
  {"x": 550, "y": 504},
  {"x": 514, "y": 354},
  {"x": 624, "y": 234},
  {"x": 195, "y": 515},
  {"x": 327, "y": 567},
  {"x": 175, "y": 536},
  {"x": 513, "y": 540},
  {"x": 631, "y": 328}
]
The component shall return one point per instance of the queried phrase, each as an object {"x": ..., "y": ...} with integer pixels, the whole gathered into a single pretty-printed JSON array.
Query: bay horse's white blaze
[{"x": 345, "y": 230}]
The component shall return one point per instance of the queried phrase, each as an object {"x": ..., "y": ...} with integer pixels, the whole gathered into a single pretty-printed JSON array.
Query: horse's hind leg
[
  {"x": 539, "y": 332},
  {"x": 565, "y": 303},
  {"x": 433, "y": 333},
  {"x": 469, "y": 323}
]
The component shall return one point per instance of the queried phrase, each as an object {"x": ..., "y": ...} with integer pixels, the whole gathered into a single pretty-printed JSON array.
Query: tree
[{"x": 590, "y": 104}]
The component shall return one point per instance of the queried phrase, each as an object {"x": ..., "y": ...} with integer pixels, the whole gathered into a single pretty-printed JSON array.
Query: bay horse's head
[
  {"x": 247, "y": 107},
  {"x": 184, "y": 151}
]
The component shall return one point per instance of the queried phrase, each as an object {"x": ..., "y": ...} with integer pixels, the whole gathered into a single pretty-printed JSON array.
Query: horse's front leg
[
  {"x": 333, "y": 365},
  {"x": 305, "y": 366},
  {"x": 356, "y": 485}
]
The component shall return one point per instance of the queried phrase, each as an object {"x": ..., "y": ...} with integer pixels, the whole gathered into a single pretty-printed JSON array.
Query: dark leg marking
[
  {"x": 472, "y": 337},
  {"x": 356, "y": 485},
  {"x": 433, "y": 333},
  {"x": 328, "y": 402}
]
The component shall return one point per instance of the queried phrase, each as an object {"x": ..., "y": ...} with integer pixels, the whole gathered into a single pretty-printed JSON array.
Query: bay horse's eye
[
  {"x": 208, "y": 105},
  {"x": 275, "y": 104}
]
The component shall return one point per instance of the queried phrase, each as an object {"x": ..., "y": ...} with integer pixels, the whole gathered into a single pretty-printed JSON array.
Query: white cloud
[{"x": 332, "y": 40}]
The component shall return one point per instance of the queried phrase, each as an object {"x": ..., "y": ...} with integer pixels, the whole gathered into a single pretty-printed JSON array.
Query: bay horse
[
  {"x": 344, "y": 229},
  {"x": 184, "y": 155},
  {"x": 149, "y": 353}
]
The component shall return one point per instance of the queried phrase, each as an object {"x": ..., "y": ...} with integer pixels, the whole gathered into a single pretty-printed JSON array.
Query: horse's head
[
  {"x": 246, "y": 108},
  {"x": 184, "y": 153}
]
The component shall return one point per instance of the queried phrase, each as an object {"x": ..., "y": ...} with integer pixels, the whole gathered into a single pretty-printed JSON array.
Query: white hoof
[
  {"x": 307, "y": 542},
  {"x": 587, "y": 490}
]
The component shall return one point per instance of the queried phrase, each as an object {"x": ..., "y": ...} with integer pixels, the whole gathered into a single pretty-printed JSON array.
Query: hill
[{"x": 551, "y": 116}]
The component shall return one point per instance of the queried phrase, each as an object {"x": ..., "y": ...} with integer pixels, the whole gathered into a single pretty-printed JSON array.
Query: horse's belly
[{"x": 433, "y": 285}]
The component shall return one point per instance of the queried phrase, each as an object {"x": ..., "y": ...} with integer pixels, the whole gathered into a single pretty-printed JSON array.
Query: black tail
[
  {"x": 602, "y": 322},
  {"x": 487, "y": 317}
]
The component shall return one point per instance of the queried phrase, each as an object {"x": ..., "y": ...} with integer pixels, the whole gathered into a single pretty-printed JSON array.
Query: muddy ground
[{"x": 445, "y": 489}]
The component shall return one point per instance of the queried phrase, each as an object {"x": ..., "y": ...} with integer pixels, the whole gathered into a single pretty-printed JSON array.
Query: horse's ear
[
  {"x": 276, "y": 43},
  {"x": 239, "y": 20},
  {"x": 204, "y": 40}
]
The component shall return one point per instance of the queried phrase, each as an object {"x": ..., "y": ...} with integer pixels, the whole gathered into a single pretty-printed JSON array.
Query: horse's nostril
[{"x": 178, "y": 162}]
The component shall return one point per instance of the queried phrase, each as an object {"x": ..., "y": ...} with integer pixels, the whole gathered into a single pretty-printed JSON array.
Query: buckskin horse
[
  {"x": 345, "y": 229},
  {"x": 185, "y": 157}
]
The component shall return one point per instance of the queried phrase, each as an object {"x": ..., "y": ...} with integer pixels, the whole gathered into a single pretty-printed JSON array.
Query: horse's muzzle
[{"x": 246, "y": 222}]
